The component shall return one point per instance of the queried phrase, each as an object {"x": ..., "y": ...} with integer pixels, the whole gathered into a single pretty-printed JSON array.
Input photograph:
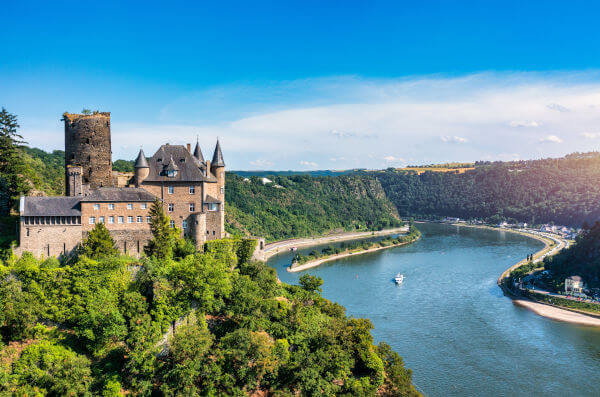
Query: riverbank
[
  {"x": 557, "y": 313},
  {"x": 285, "y": 245},
  {"x": 552, "y": 245},
  {"x": 330, "y": 258}
]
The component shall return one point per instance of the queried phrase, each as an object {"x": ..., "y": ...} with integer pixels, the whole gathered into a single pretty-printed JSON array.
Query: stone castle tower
[{"x": 87, "y": 145}]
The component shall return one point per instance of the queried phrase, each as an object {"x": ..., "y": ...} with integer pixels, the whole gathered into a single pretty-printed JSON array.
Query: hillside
[
  {"x": 301, "y": 205},
  {"x": 581, "y": 259},
  {"x": 563, "y": 190},
  {"x": 102, "y": 324}
]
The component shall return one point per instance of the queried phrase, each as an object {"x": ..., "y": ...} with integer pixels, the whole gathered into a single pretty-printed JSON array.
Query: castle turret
[
  {"x": 217, "y": 168},
  {"x": 87, "y": 144},
  {"x": 74, "y": 180},
  {"x": 198, "y": 153},
  {"x": 142, "y": 169}
]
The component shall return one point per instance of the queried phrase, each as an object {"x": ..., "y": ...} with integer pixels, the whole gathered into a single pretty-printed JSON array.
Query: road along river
[{"x": 450, "y": 321}]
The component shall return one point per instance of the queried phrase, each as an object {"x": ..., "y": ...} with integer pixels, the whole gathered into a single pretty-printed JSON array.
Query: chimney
[{"x": 189, "y": 147}]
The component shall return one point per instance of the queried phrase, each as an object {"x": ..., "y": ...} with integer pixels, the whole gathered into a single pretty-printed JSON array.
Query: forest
[
  {"x": 580, "y": 259},
  {"x": 301, "y": 205},
  {"x": 97, "y": 323},
  {"x": 560, "y": 191}
]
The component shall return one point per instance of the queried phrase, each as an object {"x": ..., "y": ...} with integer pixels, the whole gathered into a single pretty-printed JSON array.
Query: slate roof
[
  {"x": 217, "y": 160},
  {"x": 51, "y": 206},
  {"x": 141, "y": 161},
  {"x": 210, "y": 200},
  {"x": 118, "y": 194},
  {"x": 198, "y": 153},
  {"x": 187, "y": 164}
]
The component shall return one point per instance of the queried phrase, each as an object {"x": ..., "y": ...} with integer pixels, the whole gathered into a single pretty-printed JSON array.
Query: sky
[{"x": 311, "y": 84}]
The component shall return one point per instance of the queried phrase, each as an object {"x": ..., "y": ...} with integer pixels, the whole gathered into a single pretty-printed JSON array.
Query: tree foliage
[
  {"x": 534, "y": 191},
  {"x": 302, "y": 205},
  {"x": 99, "y": 243},
  {"x": 12, "y": 182},
  {"x": 101, "y": 324}
]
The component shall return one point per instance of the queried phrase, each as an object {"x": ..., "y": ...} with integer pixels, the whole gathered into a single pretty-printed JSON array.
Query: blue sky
[{"x": 311, "y": 84}]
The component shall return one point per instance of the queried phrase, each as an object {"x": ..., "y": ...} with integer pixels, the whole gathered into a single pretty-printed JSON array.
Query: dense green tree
[
  {"x": 48, "y": 369},
  {"x": 311, "y": 283},
  {"x": 12, "y": 182},
  {"x": 164, "y": 237},
  {"x": 98, "y": 244}
]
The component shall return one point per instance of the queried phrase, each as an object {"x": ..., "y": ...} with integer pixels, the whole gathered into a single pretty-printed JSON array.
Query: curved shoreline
[
  {"x": 276, "y": 247},
  {"x": 543, "y": 309},
  {"x": 318, "y": 262}
]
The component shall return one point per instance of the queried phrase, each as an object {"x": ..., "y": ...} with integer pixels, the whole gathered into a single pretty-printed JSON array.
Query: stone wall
[
  {"x": 87, "y": 143},
  {"x": 48, "y": 240}
]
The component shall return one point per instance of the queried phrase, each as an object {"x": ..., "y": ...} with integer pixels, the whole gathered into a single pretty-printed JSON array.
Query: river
[{"x": 450, "y": 321}]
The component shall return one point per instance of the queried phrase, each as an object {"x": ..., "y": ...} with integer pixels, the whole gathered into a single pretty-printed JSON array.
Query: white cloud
[
  {"x": 359, "y": 122},
  {"x": 551, "y": 139},
  {"x": 524, "y": 123},
  {"x": 308, "y": 163},
  {"x": 557, "y": 107},
  {"x": 393, "y": 159},
  {"x": 590, "y": 135},
  {"x": 262, "y": 163},
  {"x": 454, "y": 139}
]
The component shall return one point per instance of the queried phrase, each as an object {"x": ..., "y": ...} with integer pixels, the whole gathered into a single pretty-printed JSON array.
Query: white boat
[{"x": 399, "y": 278}]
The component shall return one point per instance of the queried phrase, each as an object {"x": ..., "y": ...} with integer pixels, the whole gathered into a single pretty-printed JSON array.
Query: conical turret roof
[
  {"x": 141, "y": 161},
  {"x": 217, "y": 160},
  {"x": 198, "y": 152}
]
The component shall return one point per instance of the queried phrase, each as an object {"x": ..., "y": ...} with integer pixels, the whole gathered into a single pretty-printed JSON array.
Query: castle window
[
  {"x": 171, "y": 207},
  {"x": 101, "y": 219},
  {"x": 111, "y": 219},
  {"x": 92, "y": 220},
  {"x": 27, "y": 232},
  {"x": 158, "y": 160},
  {"x": 120, "y": 220},
  {"x": 130, "y": 219},
  {"x": 213, "y": 232},
  {"x": 87, "y": 140},
  {"x": 96, "y": 207},
  {"x": 184, "y": 224},
  {"x": 171, "y": 174},
  {"x": 207, "y": 232},
  {"x": 129, "y": 206},
  {"x": 213, "y": 207},
  {"x": 222, "y": 190},
  {"x": 144, "y": 206},
  {"x": 111, "y": 206},
  {"x": 140, "y": 219},
  {"x": 172, "y": 223},
  {"x": 148, "y": 219},
  {"x": 72, "y": 157},
  {"x": 192, "y": 207},
  {"x": 192, "y": 189},
  {"x": 171, "y": 189}
]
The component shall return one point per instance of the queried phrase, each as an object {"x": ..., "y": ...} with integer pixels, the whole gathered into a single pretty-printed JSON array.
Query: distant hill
[
  {"x": 561, "y": 190},
  {"x": 304, "y": 205}
]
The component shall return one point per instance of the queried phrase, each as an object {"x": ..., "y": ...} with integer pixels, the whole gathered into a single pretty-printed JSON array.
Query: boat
[{"x": 399, "y": 278}]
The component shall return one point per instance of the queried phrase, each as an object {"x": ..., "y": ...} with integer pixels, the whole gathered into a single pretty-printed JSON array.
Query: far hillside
[
  {"x": 562, "y": 190},
  {"x": 301, "y": 205}
]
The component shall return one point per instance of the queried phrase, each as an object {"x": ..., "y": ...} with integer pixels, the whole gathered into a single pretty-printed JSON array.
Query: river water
[{"x": 450, "y": 321}]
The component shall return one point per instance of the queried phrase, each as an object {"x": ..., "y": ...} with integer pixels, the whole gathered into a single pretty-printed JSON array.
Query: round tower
[
  {"x": 142, "y": 169},
  {"x": 87, "y": 144}
]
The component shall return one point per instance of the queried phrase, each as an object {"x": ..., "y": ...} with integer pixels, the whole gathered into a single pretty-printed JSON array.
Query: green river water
[{"x": 450, "y": 321}]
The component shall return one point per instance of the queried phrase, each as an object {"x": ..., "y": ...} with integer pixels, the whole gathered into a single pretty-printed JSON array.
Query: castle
[{"x": 191, "y": 189}]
